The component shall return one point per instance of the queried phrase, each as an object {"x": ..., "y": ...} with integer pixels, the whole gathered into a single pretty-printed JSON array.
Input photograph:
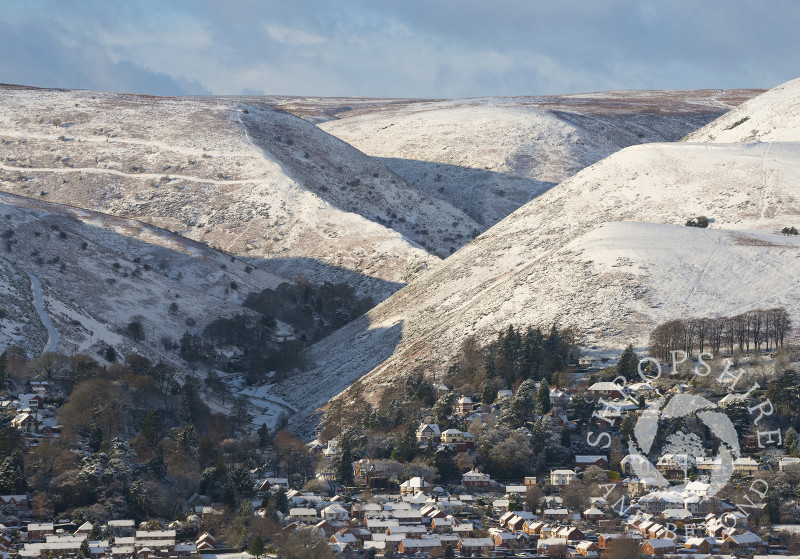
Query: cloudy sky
[{"x": 399, "y": 48}]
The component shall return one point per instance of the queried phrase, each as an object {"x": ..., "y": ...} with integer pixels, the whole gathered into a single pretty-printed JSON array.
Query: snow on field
[{"x": 489, "y": 156}]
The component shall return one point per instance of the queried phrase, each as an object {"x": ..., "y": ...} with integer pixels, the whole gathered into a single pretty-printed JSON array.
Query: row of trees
[
  {"x": 760, "y": 329},
  {"x": 515, "y": 355}
]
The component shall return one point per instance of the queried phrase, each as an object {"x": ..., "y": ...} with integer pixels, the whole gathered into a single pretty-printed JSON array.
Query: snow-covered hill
[
  {"x": 97, "y": 273},
  {"x": 771, "y": 117},
  {"x": 489, "y": 156},
  {"x": 565, "y": 257},
  {"x": 232, "y": 173}
]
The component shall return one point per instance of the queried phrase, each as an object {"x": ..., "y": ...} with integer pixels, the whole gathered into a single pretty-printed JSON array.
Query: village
[{"x": 596, "y": 505}]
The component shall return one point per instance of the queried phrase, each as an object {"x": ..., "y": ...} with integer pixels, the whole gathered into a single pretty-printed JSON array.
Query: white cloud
[{"x": 292, "y": 36}]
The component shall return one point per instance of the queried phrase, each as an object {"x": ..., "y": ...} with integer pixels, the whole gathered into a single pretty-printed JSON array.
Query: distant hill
[{"x": 489, "y": 156}]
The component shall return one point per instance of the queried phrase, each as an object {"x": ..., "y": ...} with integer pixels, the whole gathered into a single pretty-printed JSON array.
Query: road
[{"x": 52, "y": 334}]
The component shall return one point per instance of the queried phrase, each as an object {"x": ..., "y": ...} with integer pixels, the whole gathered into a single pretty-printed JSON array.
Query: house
[
  {"x": 504, "y": 394},
  {"x": 39, "y": 531},
  {"x": 155, "y": 539},
  {"x": 699, "y": 545},
  {"x": 5, "y": 542},
  {"x": 409, "y": 532},
  {"x": 429, "y": 432},
  {"x": 302, "y": 514},
  {"x": 345, "y": 541},
  {"x": 593, "y": 514},
  {"x": 26, "y": 423},
  {"x": 605, "y": 390},
  {"x": 504, "y": 539},
  {"x": 559, "y": 422},
  {"x": 442, "y": 390},
  {"x": 412, "y": 546},
  {"x": 474, "y": 478},
  {"x": 459, "y": 439},
  {"x": 185, "y": 550},
  {"x": 125, "y": 527},
  {"x": 413, "y": 485},
  {"x": 706, "y": 465},
  {"x": 475, "y": 546},
  {"x": 672, "y": 465},
  {"x": 335, "y": 512},
  {"x": 464, "y": 406},
  {"x": 19, "y": 502},
  {"x": 583, "y": 461},
  {"x": 603, "y": 540},
  {"x": 745, "y": 466},
  {"x": 555, "y": 514},
  {"x": 558, "y": 398},
  {"x": 787, "y": 462},
  {"x": 658, "y": 546},
  {"x": 267, "y": 484},
  {"x": 587, "y": 549},
  {"x": 440, "y": 524},
  {"x": 561, "y": 478},
  {"x": 742, "y": 544},
  {"x": 552, "y": 546},
  {"x": 569, "y": 533},
  {"x": 40, "y": 387}
]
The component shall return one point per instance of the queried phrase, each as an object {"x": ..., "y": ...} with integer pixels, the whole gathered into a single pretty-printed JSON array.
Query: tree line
[{"x": 760, "y": 329}]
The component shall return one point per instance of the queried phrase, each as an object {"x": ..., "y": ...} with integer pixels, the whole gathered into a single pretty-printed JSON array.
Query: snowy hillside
[
  {"x": 615, "y": 283},
  {"x": 490, "y": 156},
  {"x": 98, "y": 273},
  {"x": 230, "y": 173},
  {"x": 771, "y": 117},
  {"x": 564, "y": 257}
]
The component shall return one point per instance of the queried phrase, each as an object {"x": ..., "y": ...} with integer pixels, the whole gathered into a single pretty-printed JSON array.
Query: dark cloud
[{"x": 418, "y": 48}]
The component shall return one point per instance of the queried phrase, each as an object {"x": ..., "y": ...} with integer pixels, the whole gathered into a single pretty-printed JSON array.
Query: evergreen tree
[
  {"x": 628, "y": 365},
  {"x": 790, "y": 443},
  {"x": 84, "y": 552},
  {"x": 524, "y": 402},
  {"x": 344, "y": 465},
  {"x": 445, "y": 465},
  {"x": 243, "y": 543},
  {"x": 443, "y": 407},
  {"x": 514, "y": 503},
  {"x": 489, "y": 366},
  {"x": 543, "y": 398},
  {"x": 257, "y": 546},
  {"x": 627, "y": 426},
  {"x": 229, "y": 496},
  {"x": 449, "y": 552},
  {"x": 566, "y": 438},
  {"x": 263, "y": 437},
  {"x": 95, "y": 438},
  {"x": 281, "y": 500},
  {"x": 488, "y": 393},
  {"x": 12, "y": 475}
]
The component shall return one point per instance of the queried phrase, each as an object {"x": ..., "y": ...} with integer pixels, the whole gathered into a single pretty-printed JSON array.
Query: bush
[
  {"x": 699, "y": 221},
  {"x": 135, "y": 330}
]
